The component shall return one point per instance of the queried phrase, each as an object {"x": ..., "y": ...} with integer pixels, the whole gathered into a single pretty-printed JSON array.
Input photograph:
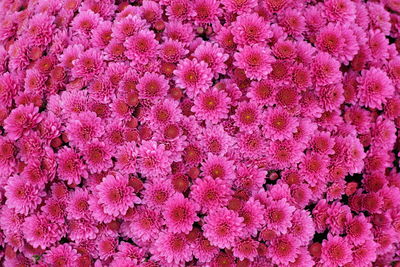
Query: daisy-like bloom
[
  {"x": 247, "y": 116},
  {"x": 129, "y": 251},
  {"x": 70, "y": 166},
  {"x": 115, "y": 195},
  {"x": 21, "y": 119},
  {"x": 34, "y": 80},
  {"x": 152, "y": 86},
  {"x": 22, "y": 196},
  {"x": 216, "y": 141},
  {"x": 193, "y": 75},
  {"x": 55, "y": 209},
  {"x": 213, "y": 55},
  {"x": 358, "y": 230},
  {"x": 204, "y": 251},
  {"x": 166, "y": 111},
  {"x": 84, "y": 127},
  {"x": 127, "y": 27},
  {"x": 210, "y": 193},
  {"x": 239, "y": 7},
  {"x": 180, "y": 213},
  {"x": 375, "y": 88},
  {"x": 62, "y": 255},
  {"x": 97, "y": 156},
  {"x": 322, "y": 143},
  {"x": 384, "y": 133},
  {"x": 88, "y": 65},
  {"x": 279, "y": 124},
  {"x": 102, "y": 34},
  {"x": 126, "y": 157},
  {"x": 106, "y": 246},
  {"x": 174, "y": 248},
  {"x": 284, "y": 154},
  {"x": 85, "y": 22},
  {"x": 314, "y": 167},
  {"x": 40, "y": 231},
  {"x": 255, "y": 60},
  {"x": 278, "y": 215},
  {"x": 182, "y": 32},
  {"x": 326, "y": 69},
  {"x": 302, "y": 227},
  {"x": 218, "y": 167},
  {"x": 222, "y": 227},
  {"x": 340, "y": 10},
  {"x": 250, "y": 29},
  {"x": 262, "y": 92},
  {"x": 283, "y": 249},
  {"x": 179, "y": 10},
  {"x": 364, "y": 253},
  {"x": 249, "y": 178},
  {"x": 97, "y": 211},
  {"x": 206, "y": 11},
  {"x": 252, "y": 213},
  {"x": 246, "y": 249},
  {"x": 335, "y": 251},
  {"x": 154, "y": 160},
  {"x": 141, "y": 47},
  {"x": 78, "y": 206},
  {"x": 211, "y": 105},
  {"x": 172, "y": 51},
  {"x": 251, "y": 145},
  {"x": 41, "y": 29},
  {"x": 146, "y": 224}
]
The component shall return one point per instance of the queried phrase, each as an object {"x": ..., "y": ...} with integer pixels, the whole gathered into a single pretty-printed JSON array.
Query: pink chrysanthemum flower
[
  {"x": 247, "y": 116},
  {"x": 106, "y": 246},
  {"x": 279, "y": 124},
  {"x": 358, "y": 230},
  {"x": 78, "y": 206},
  {"x": 314, "y": 167},
  {"x": 340, "y": 10},
  {"x": 302, "y": 226},
  {"x": 262, "y": 92},
  {"x": 97, "y": 210},
  {"x": 250, "y": 29},
  {"x": 206, "y": 11},
  {"x": 55, "y": 209},
  {"x": 85, "y": 22},
  {"x": 284, "y": 249},
  {"x": 34, "y": 80},
  {"x": 115, "y": 195},
  {"x": 179, "y": 10},
  {"x": 222, "y": 227},
  {"x": 22, "y": 196},
  {"x": 166, "y": 111},
  {"x": 154, "y": 160},
  {"x": 278, "y": 215},
  {"x": 255, "y": 60},
  {"x": 211, "y": 105},
  {"x": 251, "y": 144},
  {"x": 156, "y": 194},
  {"x": 97, "y": 156},
  {"x": 204, "y": 251},
  {"x": 127, "y": 27},
  {"x": 213, "y": 55},
  {"x": 335, "y": 251},
  {"x": 239, "y": 7},
  {"x": 70, "y": 166},
  {"x": 246, "y": 249},
  {"x": 182, "y": 32},
  {"x": 173, "y": 248},
  {"x": 326, "y": 69},
  {"x": 41, "y": 29},
  {"x": 62, "y": 255},
  {"x": 102, "y": 34},
  {"x": 216, "y": 140},
  {"x": 152, "y": 86},
  {"x": 253, "y": 214},
  {"x": 21, "y": 119},
  {"x": 141, "y": 47},
  {"x": 39, "y": 231},
  {"x": 172, "y": 51},
  {"x": 375, "y": 88},
  {"x": 180, "y": 213},
  {"x": 210, "y": 193},
  {"x": 249, "y": 177},
  {"x": 364, "y": 253},
  {"x": 284, "y": 154},
  {"x": 193, "y": 75},
  {"x": 84, "y": 127},
  {"x": 146, "y": 224},
  {"x": 88, "y": 65},
  {"x": 218, "y": 167}
]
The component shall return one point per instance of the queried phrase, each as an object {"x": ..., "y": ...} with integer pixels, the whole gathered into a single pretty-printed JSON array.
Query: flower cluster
[{"x": 199, "y": 133}]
